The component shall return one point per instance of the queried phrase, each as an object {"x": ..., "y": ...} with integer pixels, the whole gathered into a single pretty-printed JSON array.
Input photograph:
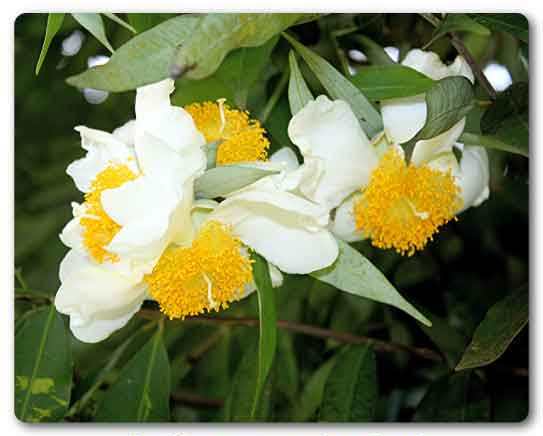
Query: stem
[
  {"x": 192, "y": 399},
  {"x": 311, "y": 330},
  {"x": 279, "y": 88}
]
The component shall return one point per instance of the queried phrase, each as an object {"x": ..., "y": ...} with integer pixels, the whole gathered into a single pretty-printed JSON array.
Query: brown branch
[
  {"x": 195, "y": 400},
  {"x": 311, "y": 330}
]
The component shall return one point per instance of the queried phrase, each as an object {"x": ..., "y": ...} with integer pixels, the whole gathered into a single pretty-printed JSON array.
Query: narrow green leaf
[
  {"x": 502, "y": 323},
  {"x": 94, "y": 24},
  {"x": 54, "y": 23},
  {"x": 381, "y": 82},
  {"x": 142, "y": 391},
  {"x": 120, "y": 21},
  {"x": 143, "y": 22},
  {"x": 515, "y": 24},
  {"x": 455, "y": 398},
  {"x": 353, "y": 273},
  {"x": 43, "y": 367},
  {"x": 286, "y": 366},
  {"x": 267, "y": 313},
  {"x": 458, "y": 23},
  {"x": 218, "y": 34},
  {"x": 374, "y": 52},
  {"x": 311, "y": 396},
  {"x": 298, "y": 92},
  {"x": 144, "y": 59},
  {"x": 447, "y": 101},
  {"x": 491, "y": 142},
  {"x": 339, "y": 87},
  {"x": 225, "y": 179},
  {"x": 351, "y": 391}
]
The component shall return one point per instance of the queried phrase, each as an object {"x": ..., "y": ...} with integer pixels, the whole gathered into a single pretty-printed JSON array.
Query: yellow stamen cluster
[
  {"x": 404, "y": 205},
  {"x": 243, "y": 139},
  {"x": 206, "y": 276},
  {"x": 98, "y": 228}
]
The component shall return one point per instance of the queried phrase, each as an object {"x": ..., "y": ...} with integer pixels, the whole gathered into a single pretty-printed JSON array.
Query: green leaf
[
  {"x": 507, "y": 117},
  {"x": 491, "y": 142},
  {"x": 353, "y": 273},
  {"x": 286, "y": 366},
  {"x": 339, "y": 87},
  {"x": 144, "y": 59},
  {"x": 458, "y": 23},
  {"x": 381, "y": 82},
  {"x": 54, "y": 23},
  {"x": 311, "y": 396},
  {"x": 351, "y": 391},
  {"x": 455, "y": 398},
  {"x": 447, "y": 101},
  {"x": 298, "y": 92},
  {"x": 218, "y": 34},
  {"x": 94, "y": 24},
  {"x": 225, "y": 179},
  {"x": 143, "y": 22},
  {"x": 267, "y": 313},
  {"x": 120, "y": 21},
  {"x": 502, "y": 323},
  {"x": 43, "y": 367},
  {"x": 142, "y": 391},
  {"x": 232, "y": 80},
  {"x": 374, "y": 52},
  {"x": 515, "y": 24}
]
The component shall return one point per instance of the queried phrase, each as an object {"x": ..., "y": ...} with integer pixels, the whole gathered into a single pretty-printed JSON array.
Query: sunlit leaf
[
  {"x": 54, "y": 23},
  {"x": 515, "y": 24},
  {"x": 351, "y": 390},
  {"x": 353, "y": 273},
  {"x": 298, "y": 92},
  {"x": 95, "y": 25},
  {"x": 502, "y": 323},
  {"x": 43, "y": 367},
  {"x": 142, "y": 390}
]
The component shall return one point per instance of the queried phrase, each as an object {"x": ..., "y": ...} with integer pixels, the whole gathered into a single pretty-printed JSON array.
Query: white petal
[
  {"x": 429, "y": 149},
  {"x": 403, "y": 117},
  {"x": 157, "y": 117},
  {"x": 286, "y": 157},
  {"x": 103, "y": 149},
  {"x": 126, "y": 133},
  {"x": 287, "y": 230},
  {"x": 276, "y": 275},
  {"x": 329, "y": 130},
  {"x": 473, "y": 178},
  {"x": 427, "y": 63},
  {"x": 200, "y": 210},
  {"x": 344, "y": 224},
  {"x": 461, "y": 68}
]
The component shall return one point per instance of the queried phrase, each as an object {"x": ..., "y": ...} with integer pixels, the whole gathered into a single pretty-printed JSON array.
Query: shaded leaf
[
  {"x": 225, "y": 179},
  {"x": 390, "y": 81},
  {"x": 515, "y": 24},
  {"x": 458, "y": 23},
  {"x": 54, "y": 23},
  {"x": 43, "y": 367},
  {"x": 502, "y": 323},
  {"x": 142, "y": 390},
  {"x": 353, "y": 273},
  {"x": 455, "y": 398},
  {"x": 351, "y": 390},
  {"x": 311, "y": 397},
  {"x": 374, "y": 52},
  {"x": 120, "y": 21},
  {"x": 286, "y": 366},
  {"x": 217, "y": 34},
  {"x": 144, "y": 59},
  {"x": 267, "y": 313},
  {"x": 298, "y": 92},
  {"x": 339, "y": 87},
  {"x": 143, "y": 22},
  {"x": 491, "y": 142},
  {"x": 94, "y": 24}
]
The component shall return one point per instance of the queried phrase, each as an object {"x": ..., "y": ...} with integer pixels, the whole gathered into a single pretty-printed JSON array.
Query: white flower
[{"x": 138, "y": 185}]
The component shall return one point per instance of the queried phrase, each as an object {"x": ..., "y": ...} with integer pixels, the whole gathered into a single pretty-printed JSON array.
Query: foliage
[{"x": 439, "y": 336}]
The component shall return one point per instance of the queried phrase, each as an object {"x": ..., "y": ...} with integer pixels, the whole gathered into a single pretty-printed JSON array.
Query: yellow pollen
[
  {"x": 206, "y": 276},
  {"x": 98, "y": 228},
  {"x": 243, "y": 139},
  {"x": 403, "y": 206}
]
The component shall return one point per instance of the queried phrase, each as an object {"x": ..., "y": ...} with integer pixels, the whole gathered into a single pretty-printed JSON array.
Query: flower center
[
  {"x": 206, "y": 276},
  {"x": 98, "y": 228},
  {"x": 243, "y": 139},
  {"x": 404, "y": 205}
]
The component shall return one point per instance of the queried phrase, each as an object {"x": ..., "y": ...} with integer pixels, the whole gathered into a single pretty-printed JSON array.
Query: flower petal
[
  {"x": 126, "y": 133},
  {"x": 286, "y": 157},
  {"x": 403, "y": 117},
  {"x": 330, "y": 131},
  {"x": 428, "y": 149},
  {"x": 103, "y": 149},
  {"x": 344, "y": 226},
  {"x": 473, "y": 177}
]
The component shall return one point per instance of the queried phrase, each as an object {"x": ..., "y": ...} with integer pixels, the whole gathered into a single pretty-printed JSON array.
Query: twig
[
  {"x": 192, "y": 399},
  {"x": 311, "y": 330}
]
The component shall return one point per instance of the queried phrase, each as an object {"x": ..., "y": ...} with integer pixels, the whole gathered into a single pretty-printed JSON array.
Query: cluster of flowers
[{"x": 141, "y": 233}]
